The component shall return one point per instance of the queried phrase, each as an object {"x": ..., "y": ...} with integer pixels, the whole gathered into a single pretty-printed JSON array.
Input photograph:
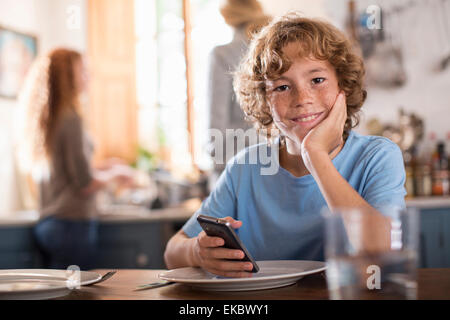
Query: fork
[{"x": 104, "y": 277}]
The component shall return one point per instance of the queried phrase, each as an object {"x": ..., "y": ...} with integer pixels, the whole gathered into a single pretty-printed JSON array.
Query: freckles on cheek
[{"x": 327, "y": 97}]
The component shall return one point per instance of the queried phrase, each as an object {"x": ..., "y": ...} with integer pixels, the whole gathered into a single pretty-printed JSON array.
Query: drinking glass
[{"x": 372, "y": 254}]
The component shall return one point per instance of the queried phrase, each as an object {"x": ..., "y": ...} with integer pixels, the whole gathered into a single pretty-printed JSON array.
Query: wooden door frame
[{"x": 189, "y": 80}]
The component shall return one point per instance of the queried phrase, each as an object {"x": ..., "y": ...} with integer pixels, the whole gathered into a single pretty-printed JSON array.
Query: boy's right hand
[{"x": 211, "y": 256}]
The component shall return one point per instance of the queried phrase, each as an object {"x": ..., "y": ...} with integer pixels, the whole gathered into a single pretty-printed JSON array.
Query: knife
[{"x": 157, "y": 284}]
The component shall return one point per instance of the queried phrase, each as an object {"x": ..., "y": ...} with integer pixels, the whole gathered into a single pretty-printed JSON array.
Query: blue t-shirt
[{"x": 281, "y": 213}]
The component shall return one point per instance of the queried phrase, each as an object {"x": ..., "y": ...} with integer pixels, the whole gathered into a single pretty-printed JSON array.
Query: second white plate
[
  {"x": 25, "y": 284},
  {"x": 272, "y": 274}
]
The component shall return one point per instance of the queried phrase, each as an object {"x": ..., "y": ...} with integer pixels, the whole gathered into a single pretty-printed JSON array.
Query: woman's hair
[
  {"x": 49, "y": 90},
  {"x": 247, "y": 14},
  {"x": 265, "y": 60}
]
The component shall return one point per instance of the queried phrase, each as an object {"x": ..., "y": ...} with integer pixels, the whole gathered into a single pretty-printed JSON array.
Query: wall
[
  {"x": 310, "y": 8},
  {"x": 426, "y": 91},
  {"x": 422, "y": 41},
  {"x": 52, "y": 21}
]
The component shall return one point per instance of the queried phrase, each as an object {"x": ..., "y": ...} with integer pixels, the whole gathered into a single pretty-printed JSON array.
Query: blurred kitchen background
[{"x": 147, "y": 61}]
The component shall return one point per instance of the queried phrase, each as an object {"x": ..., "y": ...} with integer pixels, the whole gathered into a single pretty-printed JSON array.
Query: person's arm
[
  {"x": 84, "y": 178},
  {"x": 180, "y": 251},
  {"x": 119, "y": 173},
  {"x": 76, "y": 162},
  {"x": 316, "y": 148},
  {"x": 108, "y": 163},
  {"x": 192, "y": 247},
  {"x": 337, "y": 192},
  {"x": 100, "y": 179},
  {"x": 374, "y": 232}
]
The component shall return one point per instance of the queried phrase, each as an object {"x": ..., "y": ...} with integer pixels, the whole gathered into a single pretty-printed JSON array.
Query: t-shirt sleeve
[
  {"x": 76, "y": 160},
  {"x": 220, "y": 203},
  {"x": 385, "y": 183}
]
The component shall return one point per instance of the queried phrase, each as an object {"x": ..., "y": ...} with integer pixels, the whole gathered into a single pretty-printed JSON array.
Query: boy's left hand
[{"x": 327, "y": 135}]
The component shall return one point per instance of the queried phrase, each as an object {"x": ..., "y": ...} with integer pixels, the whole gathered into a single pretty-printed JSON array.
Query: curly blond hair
[
  {"x": 265, "y": 60},
  {"x": 49, "y": 90}
]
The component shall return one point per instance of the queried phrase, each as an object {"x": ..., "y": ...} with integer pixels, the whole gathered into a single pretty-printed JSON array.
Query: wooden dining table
[{"x": 432, "y": 284}]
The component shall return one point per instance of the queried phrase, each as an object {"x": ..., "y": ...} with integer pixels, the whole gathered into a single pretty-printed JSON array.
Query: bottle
[
  {"x": 427, "y": 181},
  {"x": 409, "y": 182},
  {"x": 424, "y": 173},
  {"x": 423, "y": 180},
  {"x": 443, "y": 160},
  {"x": 447, "y": 148},
  {"x": 439, "y": 161},
  {"x": 427, "y": 148},
  {"x": 411, "y": 172},
  {"x": 435, "y": 160}
]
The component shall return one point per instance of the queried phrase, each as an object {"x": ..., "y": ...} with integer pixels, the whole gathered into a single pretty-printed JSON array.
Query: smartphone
[{"x": 216, "y": 227}]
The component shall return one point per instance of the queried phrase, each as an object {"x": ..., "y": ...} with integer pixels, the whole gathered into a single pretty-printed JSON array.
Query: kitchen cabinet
[
  {"x": 131, "y": 245},
  {"x": 434, "y": 231},
  {"x": 137, "y": 240},
  {"x": 133, "y": 238},
  {"x": 121, "y": 245},
  {"x": 17, "y": 248}
]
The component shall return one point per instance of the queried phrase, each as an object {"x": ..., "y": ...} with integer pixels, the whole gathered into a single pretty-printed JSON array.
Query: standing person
[
  {"x": 60, "y": 151},
  {"x": 301, "y": 77},
  {"x": 245, "y": 17}
]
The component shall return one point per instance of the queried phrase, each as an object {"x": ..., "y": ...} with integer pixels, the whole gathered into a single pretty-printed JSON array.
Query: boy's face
[{"x": 302, "y": 97}]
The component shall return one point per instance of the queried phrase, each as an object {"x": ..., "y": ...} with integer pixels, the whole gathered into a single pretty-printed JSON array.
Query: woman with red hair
[{"x": 59, "y": 151}]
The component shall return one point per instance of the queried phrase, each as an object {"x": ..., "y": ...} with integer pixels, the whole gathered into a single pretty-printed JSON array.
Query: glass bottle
[{"x": 440, "y": 171}]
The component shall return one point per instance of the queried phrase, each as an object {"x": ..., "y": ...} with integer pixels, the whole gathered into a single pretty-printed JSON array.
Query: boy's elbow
[
  {"x": 168, "y": 255},
  {"x": 172, "y": 253},
  {"x": 167, "y": 259}
]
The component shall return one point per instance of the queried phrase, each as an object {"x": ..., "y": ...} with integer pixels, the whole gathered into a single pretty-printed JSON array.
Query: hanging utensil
[
  {"x": 442, "y": 18},
  {"x": 385, "y": 67}
]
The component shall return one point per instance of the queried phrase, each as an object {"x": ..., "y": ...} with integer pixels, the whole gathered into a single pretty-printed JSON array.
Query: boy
[{"x": 302, "y": 78}]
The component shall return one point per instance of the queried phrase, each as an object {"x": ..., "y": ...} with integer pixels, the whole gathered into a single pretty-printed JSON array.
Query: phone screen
[{"x": 216, "y": 227}]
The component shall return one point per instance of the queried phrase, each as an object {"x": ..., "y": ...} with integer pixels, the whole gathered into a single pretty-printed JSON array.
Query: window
[
  {"x": 162, "y": 81},
  {"x": 208, "y": 30}
]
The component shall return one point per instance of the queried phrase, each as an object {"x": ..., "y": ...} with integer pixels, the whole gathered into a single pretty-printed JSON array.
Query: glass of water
[{"x": 372, "y": 254}]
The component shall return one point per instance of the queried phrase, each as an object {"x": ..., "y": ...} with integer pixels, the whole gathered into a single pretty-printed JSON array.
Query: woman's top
[
  {"x": 69, "y": 172},
  {"x": 281, "y": 213},
  {"x": 224, "y": 110}
]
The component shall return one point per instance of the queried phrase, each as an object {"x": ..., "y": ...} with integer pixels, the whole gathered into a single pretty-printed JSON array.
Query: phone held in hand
[{"x": 216, "y": 227}]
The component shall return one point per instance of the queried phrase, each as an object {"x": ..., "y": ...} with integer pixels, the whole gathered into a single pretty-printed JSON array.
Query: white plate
[
  {"x": 272, "y": 274},
  {"x": 40, "y": 283}
]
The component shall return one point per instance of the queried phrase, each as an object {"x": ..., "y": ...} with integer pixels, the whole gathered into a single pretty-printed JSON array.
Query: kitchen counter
[
  {"x": 130, "y": 213},
  {"x": 429, "y": 202},
  {"x": 116, "y": 214},
  {"x": 121, "y": 213},
  {"x": 20, "y": 219}
]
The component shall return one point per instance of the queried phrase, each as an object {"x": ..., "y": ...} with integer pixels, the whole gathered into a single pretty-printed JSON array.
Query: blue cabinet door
[
  {"x": 131, "y": 245},
  {"x": 434, "y": 227},
  {"x": 446, "y": 236},
  {"x": 18, "y": 249}
]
